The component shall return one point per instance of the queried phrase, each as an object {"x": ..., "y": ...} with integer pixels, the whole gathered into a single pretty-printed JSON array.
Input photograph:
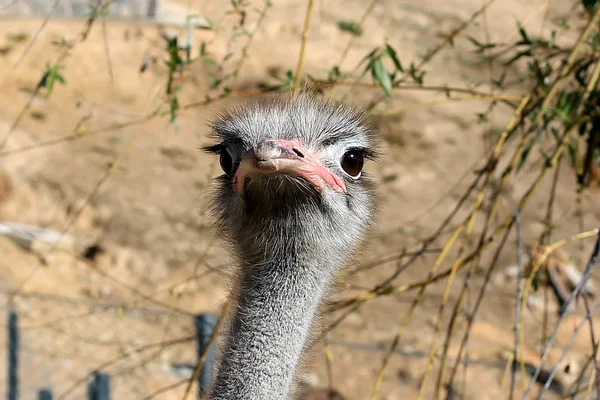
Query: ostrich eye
[
  {"x": 226, "y": 161},
  {"x": 352, "y": 162}
]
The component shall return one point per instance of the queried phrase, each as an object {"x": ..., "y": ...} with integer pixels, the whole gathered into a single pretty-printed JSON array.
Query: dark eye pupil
[
  {"x": 352, "y": 163},
  {"x": 226, "y": 162}
]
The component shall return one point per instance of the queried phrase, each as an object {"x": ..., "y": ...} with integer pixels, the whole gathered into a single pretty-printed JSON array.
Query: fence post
[
  {"x": 152, "y": 5},
  {"x": 99, "y": 387},
  {"x": 13, "y": 356},
  {"x": 45, "y": 394},
  {"x": 205, "y": 325}
]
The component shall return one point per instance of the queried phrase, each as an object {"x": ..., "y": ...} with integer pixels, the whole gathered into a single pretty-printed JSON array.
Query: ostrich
[{"x": 294, "y": 204}]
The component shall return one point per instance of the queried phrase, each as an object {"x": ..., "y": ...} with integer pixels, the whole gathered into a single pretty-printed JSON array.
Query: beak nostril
[{"x": 298, "y": 152}]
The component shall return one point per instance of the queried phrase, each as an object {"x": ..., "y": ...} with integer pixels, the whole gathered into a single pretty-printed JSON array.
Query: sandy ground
[{"x": 136, "y": 303}]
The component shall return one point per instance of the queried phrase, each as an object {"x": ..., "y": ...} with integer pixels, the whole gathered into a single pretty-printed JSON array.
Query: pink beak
[{"x": 288, "y": 157}]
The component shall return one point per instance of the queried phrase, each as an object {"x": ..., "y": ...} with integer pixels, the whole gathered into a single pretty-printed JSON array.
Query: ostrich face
[{"x": 293, "y": 175}]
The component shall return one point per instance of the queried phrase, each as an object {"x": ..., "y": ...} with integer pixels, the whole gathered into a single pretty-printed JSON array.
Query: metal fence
[
  {"x": 81, "y": 8},
  {"x": 98, "y": 387}
]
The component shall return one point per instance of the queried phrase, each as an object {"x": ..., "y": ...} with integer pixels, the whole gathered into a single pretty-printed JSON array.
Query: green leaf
[
  {"x": 526, "y": 39},
  {"x": 572, "y": 150},
  {"x": 214, "y": 81},
  {"x": 517, "y": 56},
  {"x": 416, "y": 74},
  {"x": 394, "y": 57},
  {"x": 591, "y": 5},
  {"x": 289, "y": 77},
  {"x": 382, "y": 77},
  {"x": 583, "y": 128},
  {"x": 368, "y": 57},
  {"x": 555, "y": 133},
  {"x": 334, "y": 73},
  {"x": 351, "y": 27},
  {"x": 60, "y": 79},
  {"x": 173, "y": 108},
  {"x": 17, "y": 37},
  {"x": 524, "y": 155},
  {"x": 241, "y": 33},
  {"x": 49, "y": 78},
  {"x": 209, "y": 61},
  {"x": 226, "y": 91},
  {"x": 481, "y": 46}
]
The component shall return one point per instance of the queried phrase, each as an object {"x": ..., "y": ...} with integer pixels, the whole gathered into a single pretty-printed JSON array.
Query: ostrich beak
[{"x": 286, "y": 157}]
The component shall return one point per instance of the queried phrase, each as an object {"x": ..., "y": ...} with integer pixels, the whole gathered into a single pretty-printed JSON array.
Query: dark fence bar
[
  {"x": 99, "y": 387},
  {"x": 205, "y": 325},
  {"x": 45, "y": 394},
  {"x": 13, "y": 356}
]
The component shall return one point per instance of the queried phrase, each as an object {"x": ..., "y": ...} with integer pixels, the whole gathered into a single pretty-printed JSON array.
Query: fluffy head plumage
[{"x": 278, "y": 214}]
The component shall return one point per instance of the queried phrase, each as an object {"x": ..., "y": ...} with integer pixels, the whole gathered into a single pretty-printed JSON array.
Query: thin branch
[
  {"x": 408, "y": 316},
  {"x": 574, "y": 294},
  {"x": 123, "y": 356},
  {"x": 361, "y": 22},
  {"x": 594, "y": 343},
  {"x": 425, "y": 104},
  {"x": 452, "y": 36},
  {"x": 106, "y": 48},
  {"x": 300, "y": 65},
  {"x": 244, "y": 56},
  {"x": 37, "y": 33},
  {"x": 205, "y": 351},
  {"x": 516, "y": 355}
]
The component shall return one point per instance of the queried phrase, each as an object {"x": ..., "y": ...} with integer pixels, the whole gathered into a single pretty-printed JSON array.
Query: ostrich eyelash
[
  {"x": 214, "y": 149},
  {"x": 367, "y": 153}
]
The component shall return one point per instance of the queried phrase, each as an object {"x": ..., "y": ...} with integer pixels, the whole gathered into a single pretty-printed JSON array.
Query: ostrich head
[{"x": 294, "y": 203}]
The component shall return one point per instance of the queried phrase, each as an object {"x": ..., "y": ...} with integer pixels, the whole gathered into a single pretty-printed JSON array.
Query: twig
[
  {"x": 205, "y": 351},
  {"x": 361, "y": 22},
  {"x": 594, "y": 342},
  {"x": 17, "y": 121},
  {"x": 455, "y": 313},
  {"x": 106, "y": 48},
  {"x": 577, "y": 383},
  {"x": 400, "y": 85},
  {"x": 328, "y": 365},
  {"x": 156, "y": 113},
  {"x": 471, "y": 316},
  {"x": 547, "y": 234},
  {"x": 445, "y": 296},
  {"x": 573, "y": 57},
  {"x": 450, "y": 38},
  {"x": 122, "y": 356},
  {"x": 300, "y": 65},
  {"x": 166, "y": 389},
  {"x": 63, "y": 55},
  {"x": 506, "y": 226},
  {"x": 409, "y": 107},
  {"x": 384, "y": 288},
  {"x": 561, "y": 319},
  {"x": 516, "y": 355},
  {"x": 259, "y": 22},
  {"x": 408, "y": 316},
  {"x": 37, "y": 33}
]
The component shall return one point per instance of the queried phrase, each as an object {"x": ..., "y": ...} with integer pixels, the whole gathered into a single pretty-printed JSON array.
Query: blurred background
[{"x": 478, "y": 281}]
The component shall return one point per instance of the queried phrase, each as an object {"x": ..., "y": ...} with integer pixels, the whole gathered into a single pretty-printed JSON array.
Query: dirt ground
[{"x": 135, "y": 304}]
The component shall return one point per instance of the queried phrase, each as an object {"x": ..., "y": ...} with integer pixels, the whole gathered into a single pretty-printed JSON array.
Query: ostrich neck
[{"x": 270, "y": 327}]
